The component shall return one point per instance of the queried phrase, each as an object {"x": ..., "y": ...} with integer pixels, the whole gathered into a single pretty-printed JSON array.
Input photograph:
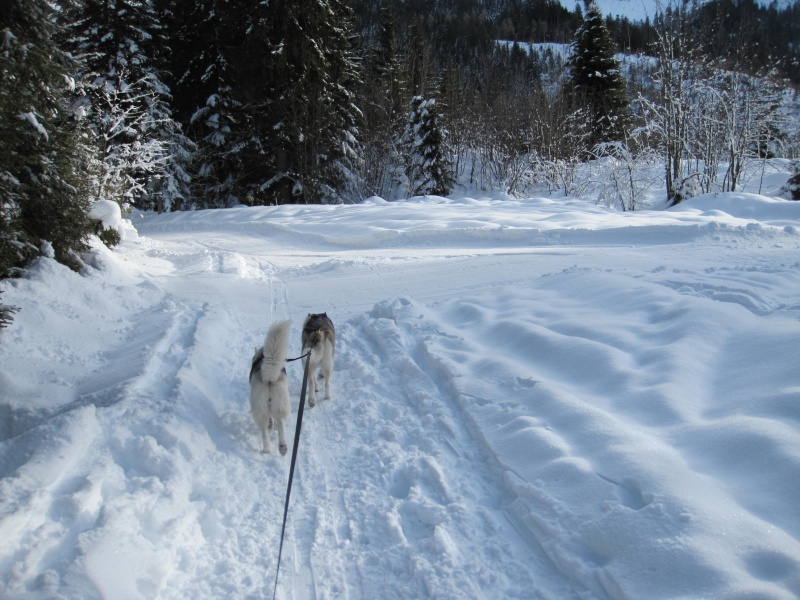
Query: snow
[
  {"x": 109, "y": 214},
  {"x": 106, "y": 211},
  {"x": 533, "y": 398},
  {"x": 34, "y": 122}
]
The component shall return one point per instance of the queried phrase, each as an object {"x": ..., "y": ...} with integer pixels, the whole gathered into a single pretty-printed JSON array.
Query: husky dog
[
  {"x": 320, "y": 338},
  {"x": 269, "y": 388}
]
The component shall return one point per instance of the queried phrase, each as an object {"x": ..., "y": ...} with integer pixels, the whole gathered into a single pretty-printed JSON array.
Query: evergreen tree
[
  {"x": 597, "y": 77},
  {"x": 420, "y": 58},
  {"x": 792, "y": 187},
  {"x": 207, "y": 36},
  {"x": 299, "y": 103},
  {"x": 427, "y": 167},
  {"x": 5, "y": 313},
  {"x": 141, "y": 149},
  {"x": 43, "y": 197},
  {"x": 382, "y": 96}
]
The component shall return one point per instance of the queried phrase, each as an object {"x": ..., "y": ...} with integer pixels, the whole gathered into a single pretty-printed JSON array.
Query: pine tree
[
  {"x": 207, "y": 37},
  {"x": 427, "y": 167},
  {"x": 386, "y": 65},
  {"x": 5, "y": 313},
  {"x": 597, "y": 77},
  {"x": 792, "y": 187},
  {"x": 43, "y": 197},
  {"x": 141, "y": 149},
  {"x": 383, "y": 105},
  {"x": 299, "y": 103}
]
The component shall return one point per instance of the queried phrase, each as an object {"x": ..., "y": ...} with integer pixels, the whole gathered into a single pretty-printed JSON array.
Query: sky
[{"x": 532, "y": 398}]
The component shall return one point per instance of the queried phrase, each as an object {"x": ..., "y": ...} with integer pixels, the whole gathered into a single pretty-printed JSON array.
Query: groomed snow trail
[{"x": 402, "y": 497}]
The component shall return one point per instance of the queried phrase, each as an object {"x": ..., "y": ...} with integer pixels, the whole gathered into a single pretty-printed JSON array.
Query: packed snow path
[{"x": 531, "y": 400}]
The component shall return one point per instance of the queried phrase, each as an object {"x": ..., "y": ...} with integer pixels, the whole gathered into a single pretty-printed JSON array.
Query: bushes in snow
[{"x": 792, "y": 187}]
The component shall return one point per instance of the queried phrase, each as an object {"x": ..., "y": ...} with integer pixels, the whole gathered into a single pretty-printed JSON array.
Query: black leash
[
  {"x": 291, "y": 467},
  {"x": 299, "y": 357}
]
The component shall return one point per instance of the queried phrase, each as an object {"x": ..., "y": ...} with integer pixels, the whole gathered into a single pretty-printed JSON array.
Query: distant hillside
[
  {"x": 634, "y": 10},
  {"x": 639, "y": 10},
  {"x": 750, "y": 35}
]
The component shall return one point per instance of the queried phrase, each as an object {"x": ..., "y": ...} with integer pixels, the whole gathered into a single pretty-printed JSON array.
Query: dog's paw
[
  {"x": 282, "y": 449},
  {"x": 312, "y": 403}
]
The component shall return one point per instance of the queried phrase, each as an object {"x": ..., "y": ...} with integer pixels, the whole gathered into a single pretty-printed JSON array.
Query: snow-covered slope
[
  {"x": 639, "y": 10},
  {"x": 535, "y": 398},
  {"x": 634, "y": 10}
]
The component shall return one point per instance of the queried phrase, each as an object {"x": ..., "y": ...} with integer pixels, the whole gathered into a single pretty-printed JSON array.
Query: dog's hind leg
[
  {"x": 326, "y": 365},
  {"x": 312, "y": 381},
  {"x": 280, "y": 409},
  {"x": 258, "y": 408},
  {"x": 327, "y": 372},
  {"x": 281, "y": 437},
  {"x": 265, "y": 441},
  {"x": 265, "y": 426}
]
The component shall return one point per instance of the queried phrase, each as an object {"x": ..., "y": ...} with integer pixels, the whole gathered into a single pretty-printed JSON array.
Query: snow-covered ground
[{"x": 536, "y": 398}]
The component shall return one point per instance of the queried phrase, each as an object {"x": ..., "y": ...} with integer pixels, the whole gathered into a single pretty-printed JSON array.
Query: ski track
[
  {"x": 421, "y": 511},
  {"x": 169, "y": 477},
  {"x": 127, "y": 383}
]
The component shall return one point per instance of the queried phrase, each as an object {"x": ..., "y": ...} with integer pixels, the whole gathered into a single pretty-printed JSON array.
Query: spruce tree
[
  {"x": 792, "y": 187},
  {"x": 43, "y": 197},
  {"x": 6, "y": 312},
  {"x": 597, "y": 77},
  {"x": 207, "y": 37},
  {"x": 386, "y": 65},
  {"x": 383, "y": 104},
  {"x": 428, "y": 168},
  {"x": 300, "y": 103},
  {"x": 141, "y": 149}
]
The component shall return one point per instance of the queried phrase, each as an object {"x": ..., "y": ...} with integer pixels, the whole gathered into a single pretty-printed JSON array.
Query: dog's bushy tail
[{"x": 275, "y": 350}]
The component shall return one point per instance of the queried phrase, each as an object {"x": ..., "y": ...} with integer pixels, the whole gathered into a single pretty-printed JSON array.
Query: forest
[{"x": 167, "y": 106}]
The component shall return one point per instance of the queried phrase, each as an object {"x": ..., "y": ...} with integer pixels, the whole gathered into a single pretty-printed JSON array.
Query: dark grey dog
[{"x": 319, "y": 336}]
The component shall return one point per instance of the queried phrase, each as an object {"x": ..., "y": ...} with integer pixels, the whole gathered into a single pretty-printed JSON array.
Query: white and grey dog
[
  {"x": 269, "y": 388},
  {"x": 319, "y": 337}
]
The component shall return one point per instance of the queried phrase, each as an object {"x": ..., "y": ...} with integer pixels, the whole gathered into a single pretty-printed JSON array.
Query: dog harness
[
  {"x": 319, "y": 323},
  {"x": 258, "y": 359}
]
